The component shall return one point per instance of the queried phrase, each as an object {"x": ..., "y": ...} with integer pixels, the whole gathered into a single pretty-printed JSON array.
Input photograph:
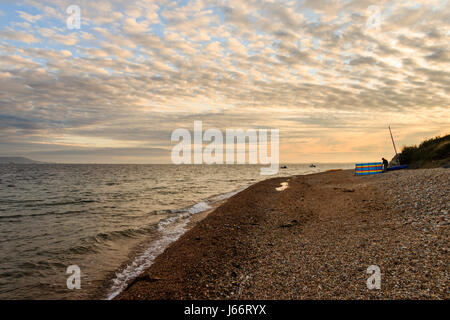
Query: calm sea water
[{"x": 110, "y": 220}]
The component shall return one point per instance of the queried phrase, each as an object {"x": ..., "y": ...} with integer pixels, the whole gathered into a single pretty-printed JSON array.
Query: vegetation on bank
[{"x": 431, "y": 153}]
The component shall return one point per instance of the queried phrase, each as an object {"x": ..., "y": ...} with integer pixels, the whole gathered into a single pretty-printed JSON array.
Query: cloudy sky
[{"x": 331, "y": 75}]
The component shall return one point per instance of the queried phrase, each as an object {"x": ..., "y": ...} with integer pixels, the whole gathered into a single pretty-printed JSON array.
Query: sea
[{"x": 109, "y": 222}]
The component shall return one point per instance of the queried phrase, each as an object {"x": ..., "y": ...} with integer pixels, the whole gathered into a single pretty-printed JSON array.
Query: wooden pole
[{"x": 393, "y": 143}]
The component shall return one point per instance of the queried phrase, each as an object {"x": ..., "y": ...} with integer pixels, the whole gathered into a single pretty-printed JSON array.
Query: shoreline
[
  {"x": 311, "y": 240},
  {"x": 157, "y": 244}
]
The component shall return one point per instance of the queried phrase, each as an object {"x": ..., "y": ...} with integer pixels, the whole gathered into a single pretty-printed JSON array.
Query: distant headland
[{"x": 18, "y": 160}]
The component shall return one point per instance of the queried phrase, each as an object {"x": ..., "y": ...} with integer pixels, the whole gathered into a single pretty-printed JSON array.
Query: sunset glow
[{"x": 330, "y": 75}]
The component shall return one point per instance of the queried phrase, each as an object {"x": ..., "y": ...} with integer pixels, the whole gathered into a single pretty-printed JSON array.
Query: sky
[{"x": 330, "y": 75}]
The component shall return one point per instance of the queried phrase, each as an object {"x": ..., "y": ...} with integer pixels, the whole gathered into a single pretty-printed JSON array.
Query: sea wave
[
  {"x": 171, "y": 229},
  {"x": 146, "y": 259}
]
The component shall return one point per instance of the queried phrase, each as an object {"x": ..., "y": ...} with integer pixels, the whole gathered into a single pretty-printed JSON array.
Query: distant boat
[
  {"x": 312, "y": 165},
  {"x": 283, "y": 167}
]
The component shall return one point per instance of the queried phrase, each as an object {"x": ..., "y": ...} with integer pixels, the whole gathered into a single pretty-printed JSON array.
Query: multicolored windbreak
[{"x": 368, "y": 168}]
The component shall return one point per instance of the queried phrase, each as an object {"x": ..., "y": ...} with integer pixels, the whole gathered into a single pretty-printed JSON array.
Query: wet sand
[{"x": 314, "y": 239}]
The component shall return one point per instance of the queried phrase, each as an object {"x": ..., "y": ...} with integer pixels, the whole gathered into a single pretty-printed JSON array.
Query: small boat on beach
[
  {"x": 405, "y": 166},
  {"x": 312, "y": 165}
]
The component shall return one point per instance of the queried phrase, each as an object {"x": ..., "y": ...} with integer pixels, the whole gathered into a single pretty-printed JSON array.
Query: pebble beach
[{"x": 313, "y": 237}]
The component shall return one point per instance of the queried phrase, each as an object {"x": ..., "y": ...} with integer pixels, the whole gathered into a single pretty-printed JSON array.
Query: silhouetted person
[{"x": 385, "y": 164}]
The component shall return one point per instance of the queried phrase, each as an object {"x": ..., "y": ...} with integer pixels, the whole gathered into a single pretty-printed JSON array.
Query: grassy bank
[{"x": 431, "y": 153}]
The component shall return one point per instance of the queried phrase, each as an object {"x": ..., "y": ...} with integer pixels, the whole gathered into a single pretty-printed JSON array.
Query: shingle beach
[{"x": 314, "y": 239}]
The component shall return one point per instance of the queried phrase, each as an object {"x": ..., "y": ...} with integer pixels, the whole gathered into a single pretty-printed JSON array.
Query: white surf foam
[
  {"x": 199, "y": 207},
  {"x": 171, "y": 228},
  {"x": 170, "y": 234}
]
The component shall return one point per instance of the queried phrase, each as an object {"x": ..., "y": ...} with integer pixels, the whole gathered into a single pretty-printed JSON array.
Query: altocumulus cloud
[{"x": 329, "y": 74}]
